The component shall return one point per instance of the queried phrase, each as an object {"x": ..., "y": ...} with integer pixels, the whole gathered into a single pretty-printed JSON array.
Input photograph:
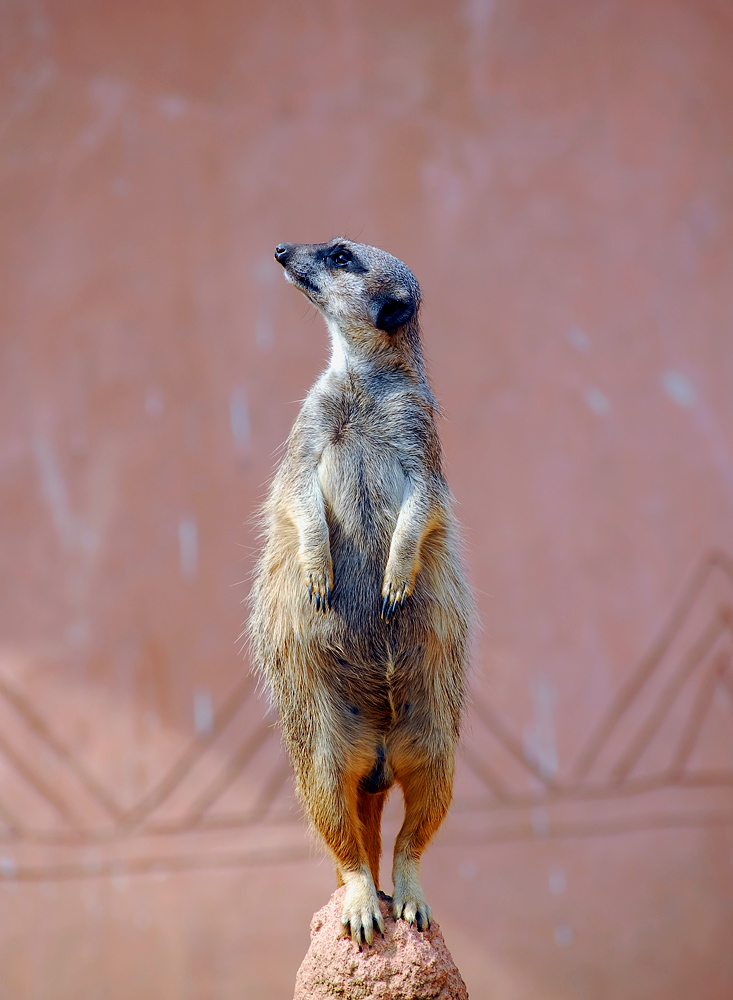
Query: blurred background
[{"x": 559, "y": 176}]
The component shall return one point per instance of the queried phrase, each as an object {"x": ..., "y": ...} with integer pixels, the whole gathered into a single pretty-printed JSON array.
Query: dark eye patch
[{"x": 344, "y": 259}]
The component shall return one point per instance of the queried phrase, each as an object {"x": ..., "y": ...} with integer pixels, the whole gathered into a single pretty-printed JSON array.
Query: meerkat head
[{"x": 368, "y": 298}]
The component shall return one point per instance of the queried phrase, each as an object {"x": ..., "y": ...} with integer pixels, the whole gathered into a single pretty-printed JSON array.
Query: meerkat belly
[{"x": 362, "y": 489}]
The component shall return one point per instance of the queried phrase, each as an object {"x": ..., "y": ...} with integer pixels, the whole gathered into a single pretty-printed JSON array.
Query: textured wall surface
[{"x": 560, "y": 178}]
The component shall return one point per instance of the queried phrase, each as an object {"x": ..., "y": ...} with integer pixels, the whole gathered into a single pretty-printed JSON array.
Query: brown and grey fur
[{"x": 360, "y": 610}]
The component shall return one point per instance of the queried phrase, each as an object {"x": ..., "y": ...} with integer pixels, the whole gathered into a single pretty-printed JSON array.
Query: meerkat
[{"x": 360, "y": 610}]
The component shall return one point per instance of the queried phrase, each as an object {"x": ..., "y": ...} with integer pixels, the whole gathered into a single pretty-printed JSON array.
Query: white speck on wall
[
  {"x": 31, "y": 83},
  {"x": 55, "y": 493},
  {"x": 121, "y": 187},
  {"x": 683, "y": 393},
  {"x": 265, "y": 270},
  {"x": 264, "y": 331},
  {"x": 564, "y": 935},
  {"x": 540, "y": 822},
  {"x": 444, "y": 186},
  {"x": 171, "y": 106},
  {"x": 239, "y": 419},
  {"x": 557, "y": 883},
  {"x": 41, "y": 28},
  {"x": 478, "y": 14},
  {"x": 540, "y": 747},
  {"x": 8, "y": 866},
  {"x": 203, "y": 712},
  {"x": 78, "y": 632},
  {"x": 679, "y": 388},
  {"x": 151, "y": 720},
  {"x": 89, "y": 539},
  {"x": 120, "y": 880},
  {"x": 109, "y": 97},
  {"x": 579, "y": 339},
  {"x": 597, "y": 401},
  {"x": 154, "y": 404},
  {"x": 468, "y": 869},
  {"x": 188, "y": 548},
  {"x": 192, "y": 435}
]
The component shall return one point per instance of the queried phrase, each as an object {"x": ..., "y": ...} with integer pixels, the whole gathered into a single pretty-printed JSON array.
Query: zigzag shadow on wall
[{"x": 660, "y": 756}]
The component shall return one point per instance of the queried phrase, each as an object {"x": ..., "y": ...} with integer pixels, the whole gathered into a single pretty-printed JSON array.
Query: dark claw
[
  {"x": 318, "y": 602},
  {"x": 418, "y": 921},
  {"x": 310, "y": 593},
  {"x": 385, "y": 602},
  {"x": 328, "y": 594},
  {"x": 402, "y": 602}
]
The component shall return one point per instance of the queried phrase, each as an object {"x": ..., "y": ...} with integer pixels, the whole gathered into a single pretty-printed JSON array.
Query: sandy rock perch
[{"x": 406, "y": 965}]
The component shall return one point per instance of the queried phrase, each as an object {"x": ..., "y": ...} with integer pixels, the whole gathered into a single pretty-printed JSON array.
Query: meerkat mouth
[{"x": 304, "y": 284}]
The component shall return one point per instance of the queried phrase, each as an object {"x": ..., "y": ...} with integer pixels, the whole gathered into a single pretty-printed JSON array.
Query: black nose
[{"x": 283, "y": 252}]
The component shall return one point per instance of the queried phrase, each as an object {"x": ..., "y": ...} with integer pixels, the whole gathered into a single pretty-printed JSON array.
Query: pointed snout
[{"x": 283, "y": 253}]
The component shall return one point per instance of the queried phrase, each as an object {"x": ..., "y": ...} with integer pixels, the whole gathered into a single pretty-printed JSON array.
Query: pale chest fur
[
  {"x": 362, "y": 487},
  {"x": 361, "y": 471}
]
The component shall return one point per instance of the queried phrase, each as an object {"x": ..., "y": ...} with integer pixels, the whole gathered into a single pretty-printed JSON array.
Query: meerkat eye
[{"x": 342, "y": 257}]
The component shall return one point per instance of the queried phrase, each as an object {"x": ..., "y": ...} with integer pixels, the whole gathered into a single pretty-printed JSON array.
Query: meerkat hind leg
[
  {"x": 370, "y": 806},
  {"x": 331, "y": 800},
  {"x": 427, "y": 793}
]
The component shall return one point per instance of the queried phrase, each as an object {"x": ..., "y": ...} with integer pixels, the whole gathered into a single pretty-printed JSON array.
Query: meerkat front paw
[
  {"x": 395, "y": 591},
  {"x": 361, "y": 913},
  {"x": 319, "y": 590},
  {"x": 409, "y": 902},
  {"x": 319, "y": 582}
]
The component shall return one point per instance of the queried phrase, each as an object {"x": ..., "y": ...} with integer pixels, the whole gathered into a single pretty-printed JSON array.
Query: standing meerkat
[{"x": 360, "y": 609}]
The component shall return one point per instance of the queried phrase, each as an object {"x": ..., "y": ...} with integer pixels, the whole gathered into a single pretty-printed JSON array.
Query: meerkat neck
[
  {"x": 345, "y": 359},
  {"x": 339, "y": 348}
]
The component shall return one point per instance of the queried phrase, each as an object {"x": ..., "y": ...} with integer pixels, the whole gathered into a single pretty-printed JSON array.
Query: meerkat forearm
[
  {"x": 419, "y": 514},
  {"x": 308, "y": 513}
]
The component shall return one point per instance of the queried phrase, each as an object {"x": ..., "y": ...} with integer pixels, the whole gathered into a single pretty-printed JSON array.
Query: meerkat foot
[
  {"x": 394, "y": 594},
  {"x": 320, "y": 588},
  {"x": 361, "y": 913},
  {"x": 409, "y": 902}
]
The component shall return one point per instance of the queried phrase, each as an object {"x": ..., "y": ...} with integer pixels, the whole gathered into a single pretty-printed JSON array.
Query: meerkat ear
[{"x": 389, "y": 313}]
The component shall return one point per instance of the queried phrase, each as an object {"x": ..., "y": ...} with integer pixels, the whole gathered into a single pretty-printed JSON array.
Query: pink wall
[{"x": 558, "y": 175}]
